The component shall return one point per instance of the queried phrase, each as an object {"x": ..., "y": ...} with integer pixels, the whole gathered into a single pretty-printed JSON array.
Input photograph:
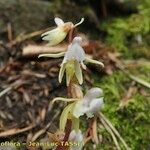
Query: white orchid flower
[
  {"x": 90, "y": 104},
  {"x": 58, "y": 34},
  {"x": 73, "y": 60},
  {"x": 74, "y": 56},
  {"x": 76, "y": 137}
]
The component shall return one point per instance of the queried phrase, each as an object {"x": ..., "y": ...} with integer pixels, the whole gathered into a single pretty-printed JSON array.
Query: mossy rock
[{"x": 22, "y": 15}]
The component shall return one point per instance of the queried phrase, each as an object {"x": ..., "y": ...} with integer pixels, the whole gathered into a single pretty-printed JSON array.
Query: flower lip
[
  {"x": 92, "y": 95},
  {"x": 96, "y": 104},
  {"x": 90, "y": 104}
]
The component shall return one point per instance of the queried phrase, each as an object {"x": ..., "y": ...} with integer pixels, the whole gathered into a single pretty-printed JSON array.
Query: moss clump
[
  {"x": 132, "y": 121},
  {"x": 130, "y": 35}
]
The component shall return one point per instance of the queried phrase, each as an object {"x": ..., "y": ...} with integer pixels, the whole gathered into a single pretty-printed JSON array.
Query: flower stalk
[{"x": 78, "y": 104}]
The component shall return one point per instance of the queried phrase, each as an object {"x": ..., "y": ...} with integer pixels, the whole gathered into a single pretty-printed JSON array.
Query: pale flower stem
[
  {"x": 70, "y": 92},
  {"x": 71, "y": 35},
  {"x": 114, "y": 130},
  {"x": 111, "y": 133}
]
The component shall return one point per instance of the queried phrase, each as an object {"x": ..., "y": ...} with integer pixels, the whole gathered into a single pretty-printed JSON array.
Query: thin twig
[
  {"x": 114, "y": 130},
  {"x": 94, "y": 130},
  {"x": 22, "y": 38},
  {"x": 11, "y": 87},
  {"x": 16, "y": 131},
  {"x": 111, "y": 133},
  {"x": 138, "y": 80},
  {"x": 42, "y": 131}
]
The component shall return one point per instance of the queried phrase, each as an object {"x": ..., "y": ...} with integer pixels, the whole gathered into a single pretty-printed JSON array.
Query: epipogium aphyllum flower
[
  {"x": 58, "y": 34},
  {"x": 73, "y": 60},
  {"x": 90, "y": 104}
]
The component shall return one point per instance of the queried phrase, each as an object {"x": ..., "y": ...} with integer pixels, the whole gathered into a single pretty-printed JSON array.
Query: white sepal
[{"x": 59, "y": 21}]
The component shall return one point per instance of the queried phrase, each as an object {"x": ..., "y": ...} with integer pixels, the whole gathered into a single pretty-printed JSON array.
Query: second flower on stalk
[{"x": 73, "y": 61}]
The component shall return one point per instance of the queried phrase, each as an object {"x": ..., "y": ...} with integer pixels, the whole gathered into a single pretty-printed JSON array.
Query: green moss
[
  {"x": 132, "y": 121},
  {"x": 129, "y": 34}
]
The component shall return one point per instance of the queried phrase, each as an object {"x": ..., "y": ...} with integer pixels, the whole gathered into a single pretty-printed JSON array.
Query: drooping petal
[
  {"x": 78, "y": 72},
  {"x": 70, "y": 70},
  {"x": 52, "y": 55},
  {"x": 68, "y": 79},
  {"x": 54, "y": 36},
  {"x": 64, "y": 116},
  {"x": 94, "y": 61},
  {"x": 83, "y": 65},
  {"x": 61, "y": 72},
  {"x": 59, "y": 21}
]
